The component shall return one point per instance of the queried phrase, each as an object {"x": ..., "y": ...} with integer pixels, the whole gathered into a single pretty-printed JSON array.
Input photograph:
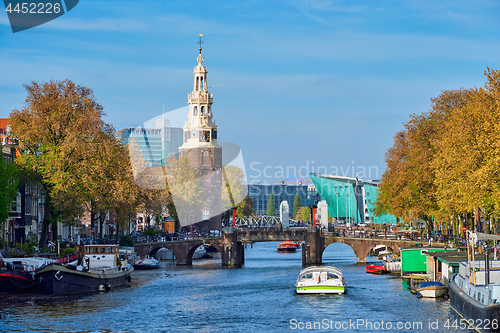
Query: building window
[
  {"x": 206, "y": 158},
  {"x": 195, "y": 111},
  {"x": 16, "y": 204}
]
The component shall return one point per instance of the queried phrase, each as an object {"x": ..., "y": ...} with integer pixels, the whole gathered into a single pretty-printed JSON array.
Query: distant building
[
  {"x": 203, "y": 153},
  {"x": 260, "y": 196},
  {"x": 26, "y": 211},
  {"x": 156, "y": 144},
  {"x": 350, "y": 200}
]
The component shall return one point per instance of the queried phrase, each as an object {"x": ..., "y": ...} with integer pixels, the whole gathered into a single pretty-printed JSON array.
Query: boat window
[
  {"x": 110, "y": 250},
  {"x": 307, "y": 276},
  {"x": 103, "y": 250},
  {"x": 87, "y": 249},
  {"x": 95, "y": 250},
  {"x": 332, "y": 276}
]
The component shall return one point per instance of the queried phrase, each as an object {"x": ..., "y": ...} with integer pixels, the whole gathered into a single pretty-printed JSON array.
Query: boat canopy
[
  {"x": 431, "y": 284},
  {"x": 480, "y": 236},
  {"x": 322, "y": 269}
]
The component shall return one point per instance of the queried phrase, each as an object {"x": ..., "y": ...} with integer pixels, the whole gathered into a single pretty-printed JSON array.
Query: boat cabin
[
  {"x": 443, "y": 264},
  {"x": 414, "y": 259},
  {"x": 472, "y": 279},
  {"x": 99, "y": 255},
  {"x": 320, "y": 274}
]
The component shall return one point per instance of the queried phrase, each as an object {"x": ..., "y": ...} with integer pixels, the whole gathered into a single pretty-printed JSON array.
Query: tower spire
[{"x": 200, "y": 42}]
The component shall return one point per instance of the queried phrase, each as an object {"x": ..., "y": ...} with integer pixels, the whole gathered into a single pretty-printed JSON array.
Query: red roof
[{"x": 3, "y": 122}]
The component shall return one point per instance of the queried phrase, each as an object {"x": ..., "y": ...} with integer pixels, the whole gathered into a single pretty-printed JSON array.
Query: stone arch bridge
[{"x": 230, "y": 245}]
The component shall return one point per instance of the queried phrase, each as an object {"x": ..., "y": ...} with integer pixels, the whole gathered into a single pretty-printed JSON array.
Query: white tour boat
[{"x": 320, "y": 280}]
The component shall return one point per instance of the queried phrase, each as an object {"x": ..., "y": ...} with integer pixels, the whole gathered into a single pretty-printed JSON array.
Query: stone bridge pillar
[
  {"x": 312, "y": 248},
  {"x": 232, "y": 251}
]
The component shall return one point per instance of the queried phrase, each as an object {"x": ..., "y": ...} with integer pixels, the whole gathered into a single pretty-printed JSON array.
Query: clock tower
[{"x": 202, "y": 151}]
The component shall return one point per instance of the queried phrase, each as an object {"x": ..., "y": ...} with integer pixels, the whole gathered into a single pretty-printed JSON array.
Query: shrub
[{"x": 126, "y": 241}]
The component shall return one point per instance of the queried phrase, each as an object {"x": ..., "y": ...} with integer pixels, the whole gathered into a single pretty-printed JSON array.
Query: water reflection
[{"x": 208, "y": 297}]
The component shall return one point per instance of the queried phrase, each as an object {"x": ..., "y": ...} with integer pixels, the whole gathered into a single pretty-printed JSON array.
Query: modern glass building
[
  {"x": 156, "y": 144},
  {"x": 350, "y": 200},
  {"x": 260, "y": 196}
]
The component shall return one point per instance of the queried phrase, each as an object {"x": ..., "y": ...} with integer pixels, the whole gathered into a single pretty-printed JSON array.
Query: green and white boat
[{"x": 320, "y": 280}]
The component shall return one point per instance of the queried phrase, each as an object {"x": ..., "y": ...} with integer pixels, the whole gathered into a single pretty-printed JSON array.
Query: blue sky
[{"x": 307, "y": 84}]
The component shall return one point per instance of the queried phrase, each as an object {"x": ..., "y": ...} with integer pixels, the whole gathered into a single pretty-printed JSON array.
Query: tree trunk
[
  {"x": 48, "y": 210},
  {"x": 102, "y": 217}
]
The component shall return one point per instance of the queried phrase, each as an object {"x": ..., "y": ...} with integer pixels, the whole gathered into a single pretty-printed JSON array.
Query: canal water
[{"x": 260, "y": 297}]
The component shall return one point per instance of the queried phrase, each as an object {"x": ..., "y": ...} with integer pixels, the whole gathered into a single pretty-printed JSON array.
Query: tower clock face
[{"x": 204, "y": 136}]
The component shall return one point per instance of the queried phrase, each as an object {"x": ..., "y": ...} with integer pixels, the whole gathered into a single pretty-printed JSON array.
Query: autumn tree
[
  {"x": 298, "y": 215},
  {"x": 443, "y": 167},
  {"x": 59, "y": 130},
  {"x": 408, "y": 186},
  {"x": 234, "y": 189},
  {"x": 183, "y": 183}
]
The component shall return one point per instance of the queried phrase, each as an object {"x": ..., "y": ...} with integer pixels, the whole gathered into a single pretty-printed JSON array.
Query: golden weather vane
[{"x": 200, "y": 42}]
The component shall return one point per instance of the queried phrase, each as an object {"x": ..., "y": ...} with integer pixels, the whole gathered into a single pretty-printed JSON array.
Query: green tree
[
  {"x": 270, "y": 206},
  {"x": 245, "y": 208},
  {"x": 296, "y": 205},
  {"x": 306, "y": 214},
  {"x": 9, "y": 182}
]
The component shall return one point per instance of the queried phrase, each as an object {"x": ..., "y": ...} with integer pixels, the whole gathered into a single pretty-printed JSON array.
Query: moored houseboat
[
  {"x": 475, "y": 290},
  {"x": 99, "y": 269}
]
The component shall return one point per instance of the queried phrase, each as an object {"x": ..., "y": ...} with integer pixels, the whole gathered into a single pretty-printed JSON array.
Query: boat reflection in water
[{"x": 99, "y": 269}]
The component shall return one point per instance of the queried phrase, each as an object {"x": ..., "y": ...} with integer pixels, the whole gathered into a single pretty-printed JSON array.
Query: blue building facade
[
  {"x": 260, "y": 196},
  {"x": 350, "y": 200}
]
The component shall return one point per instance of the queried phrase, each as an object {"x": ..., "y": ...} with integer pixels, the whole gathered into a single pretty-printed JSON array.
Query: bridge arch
[
  {"x": 361, "y": 246},
  {"x": 183, "y": 250}
]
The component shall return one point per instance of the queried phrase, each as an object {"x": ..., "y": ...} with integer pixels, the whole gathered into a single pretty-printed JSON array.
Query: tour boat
[
  {"x": 99, "y": 270},
  {"x": 146, "y": 263},
  {"x": 287, "y": 247},
  {"x": 475, "y": 290},
  {"x": 376, "y": 269},
  {"x": 432, "y": 289},
  {"x": 320, "y": 280}
]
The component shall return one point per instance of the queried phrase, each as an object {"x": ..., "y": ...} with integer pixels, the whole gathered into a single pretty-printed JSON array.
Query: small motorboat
[
  {"x": 287, "y": 246},
  {"x": 146, "y": 263},
  {"x": 320, "y": 280},
  {"x": 376, "y": 269},
  {"x": 432, "y": 289}
]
